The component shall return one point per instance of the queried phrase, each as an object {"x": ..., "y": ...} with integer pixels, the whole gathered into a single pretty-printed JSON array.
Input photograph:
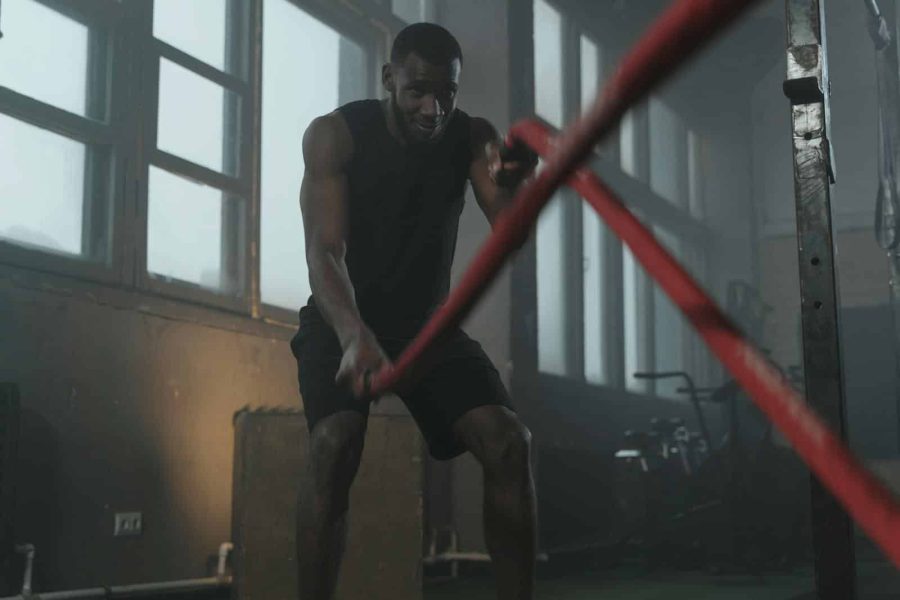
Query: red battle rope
[
  {"x": 679, "y": 33},
  {"x": 866, "y": 499}
]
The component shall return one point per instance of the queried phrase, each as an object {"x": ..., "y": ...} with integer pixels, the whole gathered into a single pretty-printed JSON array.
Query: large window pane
[
  {"x": 632, "y": 317},
  {"x": 628, "y": 145},
  {"x": 42, "y": 180},
  {"x": 196, "y": 27},
  {"x": 668, "y": 147},
  {"x": 548, "y": 67},
  {"x": 668, "y": 329},
  {"x": 184, "y": 231},
  {"x": 289, "y": 104},
  {"x": 594, "y": 236},
  {"x": 551, "y": 288},
  {"x": 590, "y": 72},
  {"x": 44, "y": 55},
  {"x": 192, "y": 113},
  {"x": 695, "y": 176}
]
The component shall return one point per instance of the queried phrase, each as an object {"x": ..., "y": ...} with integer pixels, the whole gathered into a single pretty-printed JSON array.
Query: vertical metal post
[{"x": 807, "y": 88}]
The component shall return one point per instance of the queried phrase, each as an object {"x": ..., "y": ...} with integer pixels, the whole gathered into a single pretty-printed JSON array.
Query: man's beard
[{"x": 407, "y": 132}]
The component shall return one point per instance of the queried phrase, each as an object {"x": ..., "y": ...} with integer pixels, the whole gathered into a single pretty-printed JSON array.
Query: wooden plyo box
[{"x": 384, "y": 548}]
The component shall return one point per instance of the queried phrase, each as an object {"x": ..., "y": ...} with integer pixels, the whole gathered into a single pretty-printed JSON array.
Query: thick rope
[
  {"x": 864, "y": 497},
  {"x": 680, "y": 32}
]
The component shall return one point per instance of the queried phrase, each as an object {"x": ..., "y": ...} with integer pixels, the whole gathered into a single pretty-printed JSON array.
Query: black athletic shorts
[{"x": 457, "y": 377}]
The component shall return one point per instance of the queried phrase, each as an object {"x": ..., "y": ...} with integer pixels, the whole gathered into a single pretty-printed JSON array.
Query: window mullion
[
  {"x": 147, "y": 99},
  {"x": 236, "y": 143},
  {"x": 572, "y": 242},
  {"x": 252, "y": 147},
  {"x": 51, "y": 118},
  {"x": 644, "y": 292}
]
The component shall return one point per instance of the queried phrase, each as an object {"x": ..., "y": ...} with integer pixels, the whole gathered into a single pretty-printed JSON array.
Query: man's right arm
[{"x": 327, "y": 149}]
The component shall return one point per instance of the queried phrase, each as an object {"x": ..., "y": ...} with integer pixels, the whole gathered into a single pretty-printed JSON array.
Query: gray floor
[{"x": 877, "y": 582}]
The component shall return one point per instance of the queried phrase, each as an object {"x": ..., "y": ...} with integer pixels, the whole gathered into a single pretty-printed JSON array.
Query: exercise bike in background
[{"x": 736, "y": 504}]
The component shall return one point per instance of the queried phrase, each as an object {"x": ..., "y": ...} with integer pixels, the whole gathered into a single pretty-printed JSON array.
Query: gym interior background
[{"x": 151, "y": 267}]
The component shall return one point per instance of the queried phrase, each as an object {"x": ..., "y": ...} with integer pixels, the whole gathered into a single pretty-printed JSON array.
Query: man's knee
[
  {"x": 514, "y": 447},
  {"x": 336, "y": 444},
  {"x": 507, "y": 449}
]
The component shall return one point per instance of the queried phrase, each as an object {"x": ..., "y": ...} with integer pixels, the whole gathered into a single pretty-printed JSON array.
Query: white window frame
[
  {"x": 684, "y": 222},
  {"x": 129, "y": 83}
]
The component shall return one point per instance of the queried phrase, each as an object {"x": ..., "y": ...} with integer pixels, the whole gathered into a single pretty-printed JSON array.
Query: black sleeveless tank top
[{"x": 403, "y": 218}]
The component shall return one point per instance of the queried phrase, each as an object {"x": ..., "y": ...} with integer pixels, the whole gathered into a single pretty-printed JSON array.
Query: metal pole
[{"x": 807, "y": 88}]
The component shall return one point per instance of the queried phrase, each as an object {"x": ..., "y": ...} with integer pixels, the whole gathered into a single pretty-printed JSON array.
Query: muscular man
[{"x": 381, "y": 197}]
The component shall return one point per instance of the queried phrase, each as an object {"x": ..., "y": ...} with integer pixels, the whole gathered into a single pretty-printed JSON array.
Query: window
[
  {"x": 548, "y": 63},
  {"x": 57, "y": 49},
  {"x": 695, "y": 176},
  {"x": 55, "y": 145},
  {"x": 594, "y": 242},
  {"x": 628, "y": 159},
  {"x": 668, "y": 153},
  {"x": 191, "y": 120},
  {"x": 668, "y": 327},
  {"x": 39, "y": 207},
  {"x": 185, "y": 238},
  {"x": 591, "y": 76},
  {"x": 197, "y": 28},
  {"x": 552, "y": 254},
  {"x": 553, "y": 342},
  {"x": 180, "y": 163},
  {"x": 197, "y": 186},
  {"x": 594, "y": 238},
  {"x": 634, "y": 302},
  {"x": 340, "y": 69},
  {"x": 655, "y": 148}
]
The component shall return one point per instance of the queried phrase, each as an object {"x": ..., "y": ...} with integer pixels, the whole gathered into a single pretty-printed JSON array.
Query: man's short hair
[{"x": 432, "y": 42}]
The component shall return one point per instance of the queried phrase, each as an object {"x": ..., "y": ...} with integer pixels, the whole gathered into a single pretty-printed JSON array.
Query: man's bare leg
[
  {"x": 336, "y": 444},
  {"x": 502, "y": 445}
]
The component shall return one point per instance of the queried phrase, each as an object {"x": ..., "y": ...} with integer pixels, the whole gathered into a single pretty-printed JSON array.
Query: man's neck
[{"x": 390, "y": 117}]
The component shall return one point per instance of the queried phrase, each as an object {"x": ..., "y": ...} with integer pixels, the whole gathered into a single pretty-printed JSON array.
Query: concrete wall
[{"x": 127, "y": 406}]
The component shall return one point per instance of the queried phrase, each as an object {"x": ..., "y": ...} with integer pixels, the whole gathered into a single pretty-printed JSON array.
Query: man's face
[{"x": 423, "y": 96}]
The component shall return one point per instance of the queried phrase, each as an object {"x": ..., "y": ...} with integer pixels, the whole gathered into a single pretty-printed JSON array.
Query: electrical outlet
[{"x": 130, "y": 523}]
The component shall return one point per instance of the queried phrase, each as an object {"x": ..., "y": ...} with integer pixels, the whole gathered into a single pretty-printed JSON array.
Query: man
[{"x": 381, "y": 197}]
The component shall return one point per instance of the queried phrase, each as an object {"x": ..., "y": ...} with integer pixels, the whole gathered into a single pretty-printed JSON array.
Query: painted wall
[{"x": 127, "y": 408}]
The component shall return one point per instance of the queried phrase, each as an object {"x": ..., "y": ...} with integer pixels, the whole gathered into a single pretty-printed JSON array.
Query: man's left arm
[{"x": 496, "y": 175}]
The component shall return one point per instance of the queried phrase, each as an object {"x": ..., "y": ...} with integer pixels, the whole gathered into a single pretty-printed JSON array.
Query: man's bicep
[
  {"x": 323, "y": 192},
  {"x": 323, "y": 204}
]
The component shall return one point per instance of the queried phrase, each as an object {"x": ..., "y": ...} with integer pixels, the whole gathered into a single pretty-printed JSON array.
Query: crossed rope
[{"x": 679, "y": 33}]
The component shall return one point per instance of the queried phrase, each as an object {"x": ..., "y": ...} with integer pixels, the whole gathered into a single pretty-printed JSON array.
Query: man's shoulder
[
  {"x": 328, "y": 136},
  {"x": 359, "y": 113},
  {"x": 481, "y": 131}
]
